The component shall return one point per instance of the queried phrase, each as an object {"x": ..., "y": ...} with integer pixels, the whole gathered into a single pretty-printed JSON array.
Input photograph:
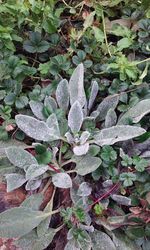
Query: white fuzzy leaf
[
  {"x": 110, "y": 119},
  {"x": 14, "y": 181},
  {"x": 34, "y": 128},
  {"x": 109, "y": 136},
  {"x": 87, "y": 164},
  {"x": 84, "y": 189},
  {"x": 33, "y": 201},
  {"x": 37, "y": 109},
  {"x": 101, "y": 241},
  {"x": 137, "y": 112},
  {"x": 122, "y": 200},
  {"x": 62, "y": 180},
  {"x": 19, "y": 157},
  {"x": 35, "y": 170},
  {"x": 76, "y": 86},
  {"x": 75, "y": 117},
  {"x": 62, "y": 94},
  {"x": 12, "y": 142},
  {"x": 33, "y": 184},
  {"x": 50, "y": 103},
  {"x": 53, "y": 125},
  {"x": 84, "y": 137},
  {"x": 81, "y": 149},
  {"x": 106, "y": 104},
  {"x": 69, "y": 137},
  {"x": 93, "y": 94},
  {"x": 16, "y": 222}
]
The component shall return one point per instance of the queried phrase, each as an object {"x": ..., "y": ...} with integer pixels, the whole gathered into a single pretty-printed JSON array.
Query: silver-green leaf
[
  {"x": 16, "y": 222},
  {"x": 137, "y": 112},
  {"x": 87, "y": 164},
  {"x": 106, "y": 104},
  {"x": 93, "y": 94},
  {"x": 19, "y": 157},
  {"x": 75, "y": 117},
  {"x": 109, "y": 136},
  {"x": 37, "y": 109},
  {"x": 35, "y": 170},
  {"x": 76, "y": 86},
  {"x": 62, "y": 94},
  {"x": 14, "y": 181},
  {"x": 53, "y": 125},
  {"x": 62, "y": 180},
  {"x": 34, "y": 128},
  {"x": 110, "y": 119},
  {"x": 101, "y": 241}
]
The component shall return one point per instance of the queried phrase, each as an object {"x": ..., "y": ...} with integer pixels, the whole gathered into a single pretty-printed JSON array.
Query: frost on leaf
[
  {"x": 137, "y": 112},
  {"x": 75, "y": 117},
  {"x": 106, "y": 104},
  {"x": 62, "y": 180},
  {"x": 76, "y": 86},
  {"x": 34, "y": 128},
  {"x": 109, "y": 136},
  {"x": 62, "y": 94}
]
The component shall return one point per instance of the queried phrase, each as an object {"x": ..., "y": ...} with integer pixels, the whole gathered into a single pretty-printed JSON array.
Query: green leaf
[
  {"x": 34, "y": 128},
  {"x": 35, "y": 170},
  {"x": 19, "y": 157},
  {"x": 124, "y": 43},
  {"x": 62, "y": 180},
  {"x": 75, "y": 117},
  {"x": 87, "y": 164},
  {"x": 98, "y": 34},
  {"x": 127, "y": 179},
  {"x": 117, "y": 133},
  {"x": 76, "y": 86},
  {"x": 16, "y": 222},
  {"x": 62, "y": 94},
  {"x": 140, "y": 163}
]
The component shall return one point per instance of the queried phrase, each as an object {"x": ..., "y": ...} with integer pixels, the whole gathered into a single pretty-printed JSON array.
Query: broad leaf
[
  {"x": 109, "y": 136},
  {"x": 137, "y": 112},
  {"x": 62, "y": 180},
  {"x": 14, "y": 181},
  {"x": 110, "y": 119},
  {"x": 62, "y": 94},
  {"x": 33, "y": 201},
  {"x": 35, "y": 170},
  {"x": 76, "y": 86},
  {"x": 33, "y": 184},
  {"x": 101, "y": 241},
  {"x": 53, "y": 125},
  {"x": 106, "y": 104},
  {"x": 19, "y": 157},
  {"x": 6, "y": 144},
  {"x": 93, "y": 94},
  {"x": 81, "y": 149},
  {"x": 75, "y": 117},
  {"x": 87, "y": 164},
  {"x": 37, "y": 109},
  {"x": 34, "y": 128},
  {"x": 16, "y": 222}
]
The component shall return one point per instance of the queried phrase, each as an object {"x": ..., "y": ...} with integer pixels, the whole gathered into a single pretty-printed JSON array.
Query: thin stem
[
  {"x": 66, "y": 162},
  {"x": 59, "y": 159},
  {"x": 71, "y": 171},
  {"x": 105, "y": 35},
  {"x": 55, "y": 169},
  {"x": 46, "y": 186},
  {"x": 145, "y": 60}
]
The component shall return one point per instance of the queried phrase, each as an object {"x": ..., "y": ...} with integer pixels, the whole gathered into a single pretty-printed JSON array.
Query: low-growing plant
[{"x": 73, "y": 138}]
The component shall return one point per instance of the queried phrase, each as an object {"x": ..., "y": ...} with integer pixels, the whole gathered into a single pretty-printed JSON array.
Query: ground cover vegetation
[{"x": 75, "y": 125}]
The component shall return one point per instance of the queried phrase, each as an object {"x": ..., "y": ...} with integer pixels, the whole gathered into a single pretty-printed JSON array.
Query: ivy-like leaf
[
  {"x": 75, "y": 117},
  {"x": 34, "y": 128},
  {"x": 62, "y": 180},
  {"x": 109, "y": 136},
  {"x": 76, "y": 86},
  {"x": 19, "y": 157},
  {"x": 14, "y": 181},
  {"x": 108, "y": 103},
  {"x": 62, "y": 94},
  {"x": 137, "y": 112}
]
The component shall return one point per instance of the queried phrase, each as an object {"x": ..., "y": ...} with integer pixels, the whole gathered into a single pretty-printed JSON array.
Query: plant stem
[
  {"x": 71, "y": 171},
  {"x": 145, "y": 60},
  {"x": 105, "y": 35},
  {"x": 46, "y": 186},
  {"x": 55, "y": 169},
  {"x": 66, "y": 162},
  {"x": 59, "y": 159}
]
